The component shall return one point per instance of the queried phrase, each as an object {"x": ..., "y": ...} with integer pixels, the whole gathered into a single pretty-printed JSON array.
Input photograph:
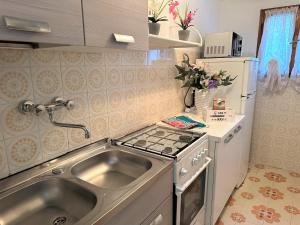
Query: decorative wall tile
[
  {"x": 97, "y": 103},
  {"x": 81, "y": 107},
  {"x": 115, "y": 92},
  {"x": 114, "y": 77},
  {"x": 3, "y": 161},
  {"x": 15, "y": 123},
  {"x": 129, "y": 76},
  {"x": 113, "y": 58},
  {"x": 15, "y": 84},
  {"x": 94, "y": 59},
  {"x": 1, "y": 133},
  {"x": 131, "y": 58},
  {"x": 115, "y": 100},
  {"x": 74, "y": 80},
  {"x": 44, "y": 58},
  {"x": 72, "y": 58},
  {"x": 153, "y": 75},
  {"x": 142, "y": 75},
  {"x": 46, "y": 83},
  {"x": 276, "y": 134},
  {"x": 23, "y": 152},
  {"x": 116, "y": 124},
  {"x": 96, "y": 78},
  {"x": 14, "y": 57},
  {"x": 54, "y": 142},
  {"x": 99, "y": 127},
  {"x": 129, "y": 98}
]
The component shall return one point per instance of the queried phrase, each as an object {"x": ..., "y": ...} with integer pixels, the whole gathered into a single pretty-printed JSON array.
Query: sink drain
[{"x": 60, "y": 220}]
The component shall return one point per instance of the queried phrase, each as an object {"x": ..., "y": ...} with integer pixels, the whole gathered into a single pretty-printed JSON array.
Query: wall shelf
[{"x": 157, "y": 42}]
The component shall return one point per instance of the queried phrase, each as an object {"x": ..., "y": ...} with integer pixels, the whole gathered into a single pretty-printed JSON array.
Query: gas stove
[
  {"x": 189, "y": 151},
  {"x": 160, "y": 140}
]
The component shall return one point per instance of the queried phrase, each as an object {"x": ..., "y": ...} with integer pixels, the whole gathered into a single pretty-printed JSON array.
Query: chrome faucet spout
[{"x": 87, "y": 134}]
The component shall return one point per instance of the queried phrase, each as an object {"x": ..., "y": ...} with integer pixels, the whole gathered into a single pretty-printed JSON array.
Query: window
[
  {"x": 278, "y": 40},
  {"x": 296, "y": 69}
]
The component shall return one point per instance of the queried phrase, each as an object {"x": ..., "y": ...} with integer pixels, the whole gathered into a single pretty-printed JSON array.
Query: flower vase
[
  {"x": 183, "y": 35},
  {"x": 154, "y": 28}
]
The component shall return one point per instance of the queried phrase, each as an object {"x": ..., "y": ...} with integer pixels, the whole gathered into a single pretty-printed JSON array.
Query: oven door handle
[{"x": 180, "y": 190}]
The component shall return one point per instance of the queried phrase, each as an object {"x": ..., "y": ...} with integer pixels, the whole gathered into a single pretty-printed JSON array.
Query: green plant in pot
[
  {"x": 183, "y": 18},
  {"x": 198, "y": 79},
  {"x": 156, "y": 8}
]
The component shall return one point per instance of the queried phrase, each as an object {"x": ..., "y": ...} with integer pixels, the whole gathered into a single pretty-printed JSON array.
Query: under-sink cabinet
[
  {"x": 152, "y": 207},
  {"x": 48, "y": 22},
  {"x": 116, "y": 24}
]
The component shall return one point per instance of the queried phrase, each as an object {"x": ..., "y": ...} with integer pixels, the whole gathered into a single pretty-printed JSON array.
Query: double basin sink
[{"x": 84, "y": 189}]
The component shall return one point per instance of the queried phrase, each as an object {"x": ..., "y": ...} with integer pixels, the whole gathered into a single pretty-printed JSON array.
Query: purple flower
[{"x": 212, "y": 84}]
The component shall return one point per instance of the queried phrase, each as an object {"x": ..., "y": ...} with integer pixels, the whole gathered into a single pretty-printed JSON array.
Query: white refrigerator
[{"x": 240, "y": 96}]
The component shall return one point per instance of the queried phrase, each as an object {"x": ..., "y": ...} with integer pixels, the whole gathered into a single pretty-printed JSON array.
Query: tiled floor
[{"x": 268, "y": 196}]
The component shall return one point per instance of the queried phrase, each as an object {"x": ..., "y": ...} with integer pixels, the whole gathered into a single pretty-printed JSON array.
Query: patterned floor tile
[{"x": 267, "y": 196}]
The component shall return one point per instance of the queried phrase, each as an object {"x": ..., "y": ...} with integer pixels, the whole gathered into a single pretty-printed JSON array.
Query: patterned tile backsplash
[
  {"x": 276, "y": 130},
  {"x": 115, "y": 92}
]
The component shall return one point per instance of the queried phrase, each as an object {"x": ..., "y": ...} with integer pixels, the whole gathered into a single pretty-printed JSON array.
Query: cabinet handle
[
  {"x": 158, "y": 220},
  {"x": 124, "y": 38},
  {"x": 228, "y": 139},
  {"x": 236, "y": 130},
  {"x": 14, "y": 23}
]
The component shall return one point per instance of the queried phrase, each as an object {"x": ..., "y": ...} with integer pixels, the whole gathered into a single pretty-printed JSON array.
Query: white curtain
[
  {"x": 275, "y": 49},
  {"x": 296, "y": 70}
]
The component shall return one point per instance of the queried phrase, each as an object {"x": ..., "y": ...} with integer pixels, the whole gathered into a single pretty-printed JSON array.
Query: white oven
[{"x": 190, "y": 198}]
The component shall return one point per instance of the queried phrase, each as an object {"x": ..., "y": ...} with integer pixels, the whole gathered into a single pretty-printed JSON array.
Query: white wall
[{"x": 242, "y": 16}]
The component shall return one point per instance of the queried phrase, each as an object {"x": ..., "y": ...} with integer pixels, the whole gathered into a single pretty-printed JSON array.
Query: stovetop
[{"x": 160, "y": 140}]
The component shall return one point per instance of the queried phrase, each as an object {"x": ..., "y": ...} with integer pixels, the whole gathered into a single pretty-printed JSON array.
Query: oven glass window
[{"x": 192, "y": 199}]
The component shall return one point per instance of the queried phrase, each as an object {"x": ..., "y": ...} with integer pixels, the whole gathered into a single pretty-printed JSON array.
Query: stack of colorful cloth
[{"x": 183, "y": 122}]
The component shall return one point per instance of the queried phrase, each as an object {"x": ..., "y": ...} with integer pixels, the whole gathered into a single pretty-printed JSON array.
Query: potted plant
[
  {"x": 156, "y": 8},
  {"x": 183, "y": 20},
  {"x": 203, "y": 83}
]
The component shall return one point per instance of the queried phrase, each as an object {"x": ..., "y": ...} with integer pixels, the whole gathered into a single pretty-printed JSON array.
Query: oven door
[{"x": 191, "y": 199}]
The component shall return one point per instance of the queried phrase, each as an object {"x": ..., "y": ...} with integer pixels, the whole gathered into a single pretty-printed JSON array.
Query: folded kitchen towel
[{"x": 183, "y": 122}]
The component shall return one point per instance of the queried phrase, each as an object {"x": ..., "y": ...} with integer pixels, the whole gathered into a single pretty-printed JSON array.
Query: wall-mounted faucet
[{"x": 57, "y": 103}]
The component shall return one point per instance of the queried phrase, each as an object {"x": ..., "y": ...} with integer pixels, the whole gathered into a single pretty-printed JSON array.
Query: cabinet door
[
  {"x": 163, "y": 215},
  {"x": 103, "y": 18},
  {"x": 227, "y": 166},
  {"x": 64, "y": 19}
]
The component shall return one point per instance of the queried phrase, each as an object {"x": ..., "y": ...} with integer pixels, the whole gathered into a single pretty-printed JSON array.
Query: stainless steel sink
[
  {"x": 48, "y": 202},
  {"x": 91, "y": 186},
  {"x": 111, "y": 169}
]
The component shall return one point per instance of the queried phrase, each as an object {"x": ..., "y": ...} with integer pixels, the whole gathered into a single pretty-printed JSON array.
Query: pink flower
[{"x": 173, "y": 6}]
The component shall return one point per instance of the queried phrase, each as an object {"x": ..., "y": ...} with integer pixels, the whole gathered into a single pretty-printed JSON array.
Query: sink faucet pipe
[{"x": 68, "y": 125}]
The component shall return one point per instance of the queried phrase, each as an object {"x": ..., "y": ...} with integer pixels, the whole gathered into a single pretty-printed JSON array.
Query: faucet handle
[
  {"x": 70, "y": 104},
  {"x": 26, "y": 106},
  {"x": 59, "y": 100}
]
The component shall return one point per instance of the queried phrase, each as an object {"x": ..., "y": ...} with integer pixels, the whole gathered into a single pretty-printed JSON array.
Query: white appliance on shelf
[{"x": 224, "y": 44}]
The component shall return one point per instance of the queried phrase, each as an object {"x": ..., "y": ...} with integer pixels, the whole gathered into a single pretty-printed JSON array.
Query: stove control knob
[
  {"x": 183, "y": 172},
  {"x": 199, "y": 156},
  {"x": 206, "y": 151},
  {"x": 194, "y": 161}
]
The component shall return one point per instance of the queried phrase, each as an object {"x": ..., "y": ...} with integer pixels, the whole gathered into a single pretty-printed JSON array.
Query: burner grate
[{"x": 164, "y": 141}]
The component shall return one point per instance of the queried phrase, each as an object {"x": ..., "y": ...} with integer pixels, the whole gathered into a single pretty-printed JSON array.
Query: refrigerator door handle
[{"x": 245, "y": 96}]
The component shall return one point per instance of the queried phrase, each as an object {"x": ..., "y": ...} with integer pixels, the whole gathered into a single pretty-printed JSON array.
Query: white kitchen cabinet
[
  {"x": 226, "y": 156},
  {"x": 104, "y": 18},
  {"x": 64, "y": 18}
]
